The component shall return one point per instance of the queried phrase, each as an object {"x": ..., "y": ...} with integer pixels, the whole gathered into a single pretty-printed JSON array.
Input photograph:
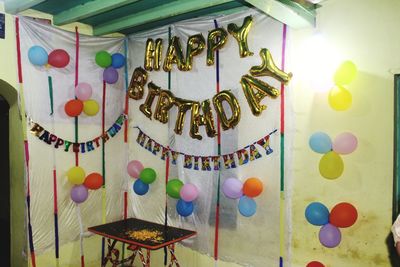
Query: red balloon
[
  {"x": 93, "y": 181},
  {"x": 315, "y": 264},
  {"x": 343, "y": 215},
  {"x": 58, "y": 58},
  {"x": 73, "y": 107}
]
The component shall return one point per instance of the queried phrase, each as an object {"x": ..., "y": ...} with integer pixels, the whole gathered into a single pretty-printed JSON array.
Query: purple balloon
[
  {"x": 110, "y": 75},
  {"x": 330, "y": 236},
  {"x": 232, "y": 188},
  {"x": 79, "y": 193}
]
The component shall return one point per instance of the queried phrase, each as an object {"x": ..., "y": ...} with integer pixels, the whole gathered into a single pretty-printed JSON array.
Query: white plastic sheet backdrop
[
  {"x": 253, "y": 241},
  {"x": 42, "y": 156}
]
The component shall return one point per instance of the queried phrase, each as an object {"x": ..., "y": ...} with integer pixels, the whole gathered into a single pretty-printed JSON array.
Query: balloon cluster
[
  {"x": 74, "y": 107},
  {"x": 342, "y": 215},
  {"x": 79, "y": 192},
  {"x": 110, "y": 63},
  {"x": 233, "y": 188},
  {"x": 331, "y": 165},
  {"x": 57, "y": 58},
  {"x": 144, "y": 176},
  {"x": 339, "y": 97},
  {"x": 185, "y": 193}
]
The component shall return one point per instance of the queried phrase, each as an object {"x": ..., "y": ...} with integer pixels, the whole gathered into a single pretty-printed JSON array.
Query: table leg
[
  {"x": 145, "y": 262},
  {"x": 174, "y": 260},
  {"x": 110, "y": 248}
]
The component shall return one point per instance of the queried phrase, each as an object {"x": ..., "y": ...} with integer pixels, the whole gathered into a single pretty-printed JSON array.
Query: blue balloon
[
  {"x": 37, "y": 55},
  {"x": 118, "y": 60},
  {"x": 320, "y": 142},
  {"x": 247, "y": 206},
  {"x": 317, "y": 214},
  {"x": 140, "y": 188},
  {"x": 184, "y": 208}
]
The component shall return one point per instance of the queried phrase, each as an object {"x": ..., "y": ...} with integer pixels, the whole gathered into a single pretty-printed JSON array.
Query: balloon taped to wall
[
  {"x": 77, "y": 147},
  {"x": 232, "y": 160}
]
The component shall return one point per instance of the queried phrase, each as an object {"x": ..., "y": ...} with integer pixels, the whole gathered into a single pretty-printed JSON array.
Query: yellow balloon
[
  {"x": 345, "y": 74},
  {"x": 340, "y": 98},
  {"x": 76, "y": 175},
  {"x": 90, "y": 107},
  {"x": 331, "y": 165}
]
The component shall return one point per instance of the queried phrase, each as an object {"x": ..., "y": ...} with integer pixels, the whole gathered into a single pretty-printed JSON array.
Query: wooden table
[{"x": 127, "y": 231}]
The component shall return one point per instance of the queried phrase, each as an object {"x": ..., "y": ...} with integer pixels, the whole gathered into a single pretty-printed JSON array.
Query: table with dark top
[{"x": 120, "y": 231}]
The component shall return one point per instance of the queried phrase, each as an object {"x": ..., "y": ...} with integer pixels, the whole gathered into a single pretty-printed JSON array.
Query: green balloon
[
  {"x": 148, "y": 175},
  {"x": 174, "y": 187},
  {"x": 103, "y": 59}
]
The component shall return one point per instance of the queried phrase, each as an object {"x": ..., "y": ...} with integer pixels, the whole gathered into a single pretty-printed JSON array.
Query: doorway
[{"x": 5, "y": 252}]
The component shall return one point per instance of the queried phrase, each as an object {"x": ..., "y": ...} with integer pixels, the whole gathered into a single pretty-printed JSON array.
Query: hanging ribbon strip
[
  {"x": 79, "y": 147},
  {"x": 207, "y": 163},
  {"x": 282, "y": 143},
  {"x": 55, "y": 204},
  {"x": 28, "y": 193},
  {"x": 216, "y": 234},
  {"x": 76, "y": 141},
  {"x": 167, "y": 168},
  {"x": 126, "y": 126},
  {"x": 103, "y": 164}
]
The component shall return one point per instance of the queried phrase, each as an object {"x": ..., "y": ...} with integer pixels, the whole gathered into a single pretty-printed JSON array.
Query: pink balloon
[
  {"x": 83, "y": 91},
  {"x": 134, "y": 168},
  {"x": 345, "y": 143},
  {"x": 189, "y": 192}
]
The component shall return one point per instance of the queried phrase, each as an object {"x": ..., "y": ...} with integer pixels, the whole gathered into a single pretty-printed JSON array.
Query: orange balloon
[
  {"x": 93, "y": 181},
  {"x": 73, "y": 107},
  {"x": 343, "y": 215},
  {"x": 252, "y": 187}
]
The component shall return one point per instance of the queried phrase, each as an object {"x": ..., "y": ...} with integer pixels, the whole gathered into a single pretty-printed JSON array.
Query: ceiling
[{"x": 131, "y": 16}]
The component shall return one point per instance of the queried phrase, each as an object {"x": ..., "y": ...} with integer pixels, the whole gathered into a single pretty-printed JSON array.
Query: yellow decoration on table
[
  {"x": 331, "y": 165},
  {"x": 76, "y": 175},
  {"x": 146, "y": 235},
  {"x": 340, "y": 98}
]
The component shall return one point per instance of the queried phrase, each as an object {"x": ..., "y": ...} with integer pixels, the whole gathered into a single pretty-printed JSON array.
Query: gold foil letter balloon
[
  {"x": 228, "y": 97},
  {"x": 263, "y": 89},
  {"x": 164, "y": 104},
  {"x": 138, "y": 80},
  {"x": 268, "y": 68},
  {"x": 152, "y": 58},
  {"x": 206, "y": 119},
  {"x": 216, "y": 40},
  {"x": 183, "y": 106},
  {"x": 174, "y": 55},
  {"x": 240, "y": 34},
  {"x": 154, "y": 90},
  {"x": 195, "y": 45}
]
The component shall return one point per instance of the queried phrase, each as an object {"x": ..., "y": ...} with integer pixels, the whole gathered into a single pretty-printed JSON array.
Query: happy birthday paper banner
[
  {"x": 203, "y": 163},
  {"x": 81, "y": 147}
]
